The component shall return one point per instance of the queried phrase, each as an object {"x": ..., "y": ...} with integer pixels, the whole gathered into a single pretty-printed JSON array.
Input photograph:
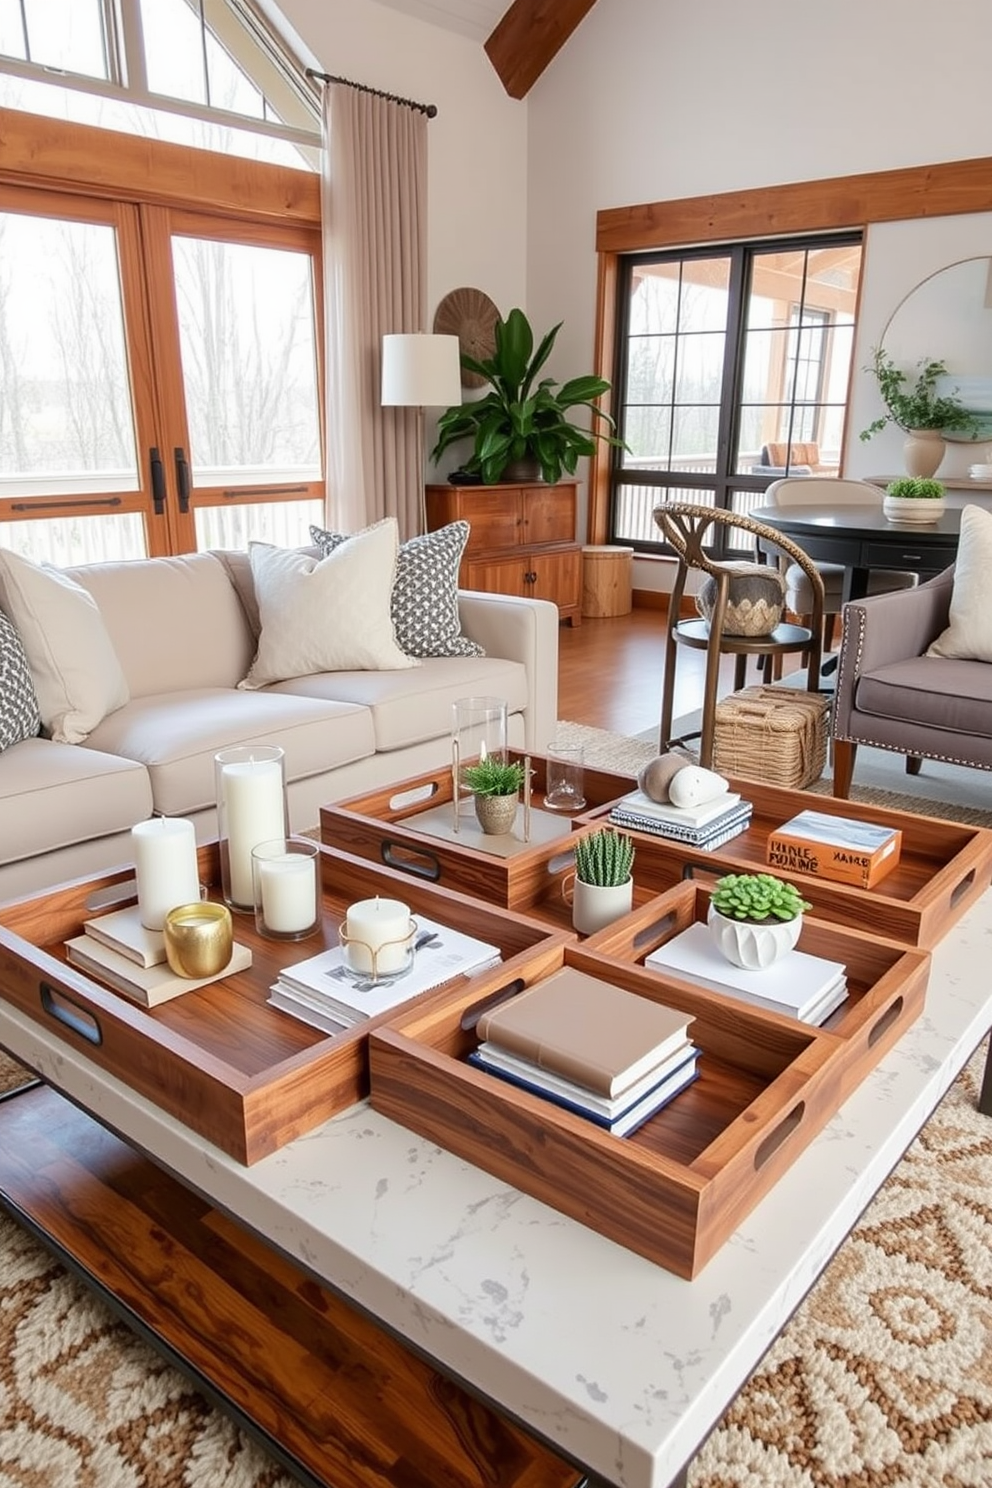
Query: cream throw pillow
[
  {"x": 969, "y": 635},
  {"x": 77, "y": 675},
  {"x": 326, "y": 614}
]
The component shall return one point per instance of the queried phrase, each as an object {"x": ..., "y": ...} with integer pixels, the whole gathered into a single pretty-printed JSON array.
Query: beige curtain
[{"x": 374, "y": 216}]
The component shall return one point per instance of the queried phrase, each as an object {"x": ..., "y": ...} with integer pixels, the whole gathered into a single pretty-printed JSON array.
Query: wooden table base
[{"x": 332, "y": 1395}]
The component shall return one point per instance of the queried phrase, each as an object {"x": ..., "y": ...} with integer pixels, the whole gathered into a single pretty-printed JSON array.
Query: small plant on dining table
[{"x": 494, "y": 777}]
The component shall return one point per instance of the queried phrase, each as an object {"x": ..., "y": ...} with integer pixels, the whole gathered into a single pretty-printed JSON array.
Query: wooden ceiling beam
[{"x": 530, "y": 34}]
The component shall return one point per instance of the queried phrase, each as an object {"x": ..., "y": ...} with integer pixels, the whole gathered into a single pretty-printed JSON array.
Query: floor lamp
[{"x": 421, "y": 371}]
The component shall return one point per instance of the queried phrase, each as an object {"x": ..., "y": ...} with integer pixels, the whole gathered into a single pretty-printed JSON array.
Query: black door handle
[
  {"x": 182, "y": 478},
  {"x": 158, "y": 481}
]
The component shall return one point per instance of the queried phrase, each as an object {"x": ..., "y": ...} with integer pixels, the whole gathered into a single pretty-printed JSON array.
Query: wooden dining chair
[{"x": 689, "y": 530}]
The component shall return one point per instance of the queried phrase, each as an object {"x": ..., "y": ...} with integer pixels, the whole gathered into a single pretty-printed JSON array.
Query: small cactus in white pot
[
  {"x": 604, "y": 884},
  {"x": 755, "y": 918}
]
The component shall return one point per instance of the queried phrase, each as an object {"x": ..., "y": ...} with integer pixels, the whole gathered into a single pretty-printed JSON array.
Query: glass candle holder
[
  {"x": 377, "y": 937},
  {"x": 478, "y": 732},
  {"x": 286, "y": 887},
  {"x": 564, "y": 783},
  {"x": 251, "y": 808}
]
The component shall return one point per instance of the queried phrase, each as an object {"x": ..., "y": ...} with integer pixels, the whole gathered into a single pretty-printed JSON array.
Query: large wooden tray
[
  {"x": 410, "y": 827},
  {"x": 242, "y": 1073},
  {"x": 677, "y": 1188},
  {"x": 945, "y": 866}
]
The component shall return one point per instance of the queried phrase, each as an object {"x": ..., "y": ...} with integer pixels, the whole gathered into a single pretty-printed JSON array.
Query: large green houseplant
[
  {"x": 520, "y": 418},
  {"x": 917, "y": 405}
]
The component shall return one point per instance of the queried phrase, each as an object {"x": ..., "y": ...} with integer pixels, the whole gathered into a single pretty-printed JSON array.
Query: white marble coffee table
[{"x": 617, "y": 1364}]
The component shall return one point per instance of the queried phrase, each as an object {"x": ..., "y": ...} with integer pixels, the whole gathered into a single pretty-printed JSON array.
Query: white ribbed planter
[
  {"x": 752, "y": 946},
  {"x": 918, "y": 509}
]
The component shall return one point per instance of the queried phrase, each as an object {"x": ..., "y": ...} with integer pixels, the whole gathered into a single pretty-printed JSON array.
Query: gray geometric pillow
[
  {"x": 19, "y": 715},
  {"x": 424, "y": 602}
]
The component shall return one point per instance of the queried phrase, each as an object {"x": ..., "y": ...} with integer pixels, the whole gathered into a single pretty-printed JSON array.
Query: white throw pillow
[
  {"x": 76, "y": 671},
  {"x": 326, "y": 614},
  {"x": 969, "y": 635}
]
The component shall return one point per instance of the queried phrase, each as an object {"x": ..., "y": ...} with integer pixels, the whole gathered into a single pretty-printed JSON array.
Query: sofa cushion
[
  {"x": 968, "y": 637},
  {"x": 20, "y": 717},
  {"x": 175, "y": 622},
  {"x": 177, "y": 734},
  {"x": 955, "y": 696},
  {"x": 55, "y": 795},
  {"x": 76, "y": 672},
  {"x": 326, "y": 614},
  {"x": 424, "y": 602},
  {"x": 413, "y": 707}
]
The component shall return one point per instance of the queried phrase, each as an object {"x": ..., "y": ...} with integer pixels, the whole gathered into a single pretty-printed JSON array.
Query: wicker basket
[{"x": 774, "y": 734}]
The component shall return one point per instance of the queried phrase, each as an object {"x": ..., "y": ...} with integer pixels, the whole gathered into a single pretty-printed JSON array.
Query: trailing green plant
[
  {"x": 605, "y": 857},
  {"x": 494, "y": 777},
  {"x": 757, "y": 897},
  {"x": 917, "y": 487},
  {"x": 519, "y": 417},
  {"x": 917, "y": 405}
]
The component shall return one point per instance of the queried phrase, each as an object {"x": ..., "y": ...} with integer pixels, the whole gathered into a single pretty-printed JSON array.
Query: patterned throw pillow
[
  {"x": 20, "y": 717},
  {"x": 425, "y": 591}
]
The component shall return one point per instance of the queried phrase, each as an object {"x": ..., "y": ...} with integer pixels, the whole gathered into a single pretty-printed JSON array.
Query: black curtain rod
[{"x": 430, "y": 109}]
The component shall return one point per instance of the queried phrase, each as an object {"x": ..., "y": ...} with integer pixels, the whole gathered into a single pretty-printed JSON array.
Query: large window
[{"x": 733, "y": 369}]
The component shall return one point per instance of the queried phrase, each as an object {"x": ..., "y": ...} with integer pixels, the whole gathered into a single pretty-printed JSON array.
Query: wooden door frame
[{"x": 841, "y": 202}]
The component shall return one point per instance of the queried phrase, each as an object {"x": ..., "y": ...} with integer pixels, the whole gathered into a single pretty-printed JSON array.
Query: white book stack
[
  {"x": 704, "y": 827},
  {"x": 799, "y": 985},
  {"x": 117, "y": 949},
  {"x": 321, "y": 991}
]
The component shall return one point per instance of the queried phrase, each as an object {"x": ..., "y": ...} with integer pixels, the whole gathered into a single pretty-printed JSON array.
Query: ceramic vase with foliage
[
  {"x": 923, "y": 414},
  {"x": 914, "y": 499},
  {"x": 521, "y": 418},
  {"x": 603, "y": 888},
  {"x": 495, "y": 786},
  {"x": 755, "y": 918}
]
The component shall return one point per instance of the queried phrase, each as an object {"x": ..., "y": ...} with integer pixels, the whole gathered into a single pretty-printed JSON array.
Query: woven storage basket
[{"x": 774, "y": 734}]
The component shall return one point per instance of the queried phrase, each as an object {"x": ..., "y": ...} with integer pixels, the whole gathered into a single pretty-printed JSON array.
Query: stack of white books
[
  {"x": 704, "y": 827},
  {"x": 116, "y": 949},
  {"x": 799, "y": 985},
  {"x": 323, "y": 992},
  {"x": 606, "y": 1054}
]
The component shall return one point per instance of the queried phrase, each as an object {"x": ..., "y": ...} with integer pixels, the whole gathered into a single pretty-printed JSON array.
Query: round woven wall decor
[{"x": 470, "y": 315}]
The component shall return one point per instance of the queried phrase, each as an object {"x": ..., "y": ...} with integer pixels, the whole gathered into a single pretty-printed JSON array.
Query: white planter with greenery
[
  {"x": 919, "y": 410},
  {"x": 603, "y": 888},
  {"x": 755, "y": 918},
  {"x": 914, "y": 499}
]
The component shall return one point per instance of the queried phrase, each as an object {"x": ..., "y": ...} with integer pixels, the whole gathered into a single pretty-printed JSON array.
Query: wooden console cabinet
[{"x": 522, "y": 540}]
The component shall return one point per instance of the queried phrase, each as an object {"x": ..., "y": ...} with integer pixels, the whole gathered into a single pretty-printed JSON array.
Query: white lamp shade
[{"x": 421, "y": 371}]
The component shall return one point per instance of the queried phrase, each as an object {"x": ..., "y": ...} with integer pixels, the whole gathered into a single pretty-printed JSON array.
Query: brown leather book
[{"x": 586, "y": 1030}]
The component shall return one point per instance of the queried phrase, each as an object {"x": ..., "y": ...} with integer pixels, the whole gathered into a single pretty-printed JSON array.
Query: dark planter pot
[{"x": 527, "y": 469}]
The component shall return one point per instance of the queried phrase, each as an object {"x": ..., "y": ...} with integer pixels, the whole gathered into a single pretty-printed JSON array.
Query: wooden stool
[{"x": 606, "y": 582}]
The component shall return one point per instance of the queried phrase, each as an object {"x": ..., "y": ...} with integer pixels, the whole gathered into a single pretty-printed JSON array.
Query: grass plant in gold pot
[{"x": 495, "y": 785}]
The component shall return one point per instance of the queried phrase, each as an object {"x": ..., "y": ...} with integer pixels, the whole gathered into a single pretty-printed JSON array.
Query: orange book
[{"x": 818, "y": 845}]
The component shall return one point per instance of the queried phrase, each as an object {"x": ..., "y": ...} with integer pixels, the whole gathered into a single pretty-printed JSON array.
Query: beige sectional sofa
[{"x": 185, "y": 631}]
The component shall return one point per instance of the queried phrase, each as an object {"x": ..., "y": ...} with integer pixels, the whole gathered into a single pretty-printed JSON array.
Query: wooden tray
[
  {"x": 409, "y": 827},
  {"x": 945, "y": 866},
  {"x": 242, "y": 1073},
  {"x": 678, "y": 1187}
]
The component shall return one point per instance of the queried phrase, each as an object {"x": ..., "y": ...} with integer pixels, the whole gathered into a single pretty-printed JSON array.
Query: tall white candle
[
  {"x": 288, "y": 885},
  {"x": 381, "y": 926},
  {"x": 254, "y": 813},
  {"x": 165, "y": 866}
]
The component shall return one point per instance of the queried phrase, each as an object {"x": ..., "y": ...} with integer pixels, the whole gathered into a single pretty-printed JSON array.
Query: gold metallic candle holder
[
  {"x": 199, "y": 939},
  {"x": 371, "y": 973}
]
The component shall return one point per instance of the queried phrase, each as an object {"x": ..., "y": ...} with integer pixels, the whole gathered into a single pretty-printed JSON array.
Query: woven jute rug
[{"x": 883, "y": 1378}]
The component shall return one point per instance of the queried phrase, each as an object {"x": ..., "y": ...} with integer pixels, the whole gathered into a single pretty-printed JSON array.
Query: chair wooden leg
[
  {"x": 667, "y": 696},
  {"x": 844, "y": 753},
  {"x": 914, "y": 764}
]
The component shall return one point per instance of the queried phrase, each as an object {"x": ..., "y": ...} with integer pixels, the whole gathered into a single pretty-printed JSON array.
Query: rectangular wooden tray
[
  {"x": 409, "y": 827},
  {"x": 677, "y": 1188},
  {"x": 944, "y": 869},
  {"x": 243, "y": 1074}
]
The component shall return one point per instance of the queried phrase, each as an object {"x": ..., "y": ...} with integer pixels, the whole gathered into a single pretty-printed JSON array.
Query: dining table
[{"x": 862, "y": 538}]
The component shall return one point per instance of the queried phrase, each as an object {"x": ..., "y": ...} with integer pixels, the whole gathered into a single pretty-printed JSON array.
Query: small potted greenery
[
  {"x": 495, "y": 785},
  {"x": 923, "y": 413},
  {"x": 521, "y": 421},
  {"x": 755, "y": 918},
  {"x": 603, "y": 889},
  {"x": 914, "y": 498}
]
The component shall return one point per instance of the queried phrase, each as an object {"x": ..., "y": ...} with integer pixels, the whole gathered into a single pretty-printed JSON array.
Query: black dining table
[{"x": 861, "y": 538}]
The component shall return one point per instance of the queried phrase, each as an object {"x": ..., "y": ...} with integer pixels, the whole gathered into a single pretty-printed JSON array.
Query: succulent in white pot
[{"x": 755, "y": 918}]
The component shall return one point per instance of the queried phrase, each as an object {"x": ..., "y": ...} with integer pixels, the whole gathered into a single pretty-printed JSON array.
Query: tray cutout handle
[
  {"x": 885, "y": 1021},
  {"x": 561, "y": 862},
  {"x": 472, "y": 1015},
  {"x": 415, "y": 796},
  {"x": 660, "y": 927},
  {"x": 779, "y": 1134},
  {"x": 416, "y": 861},
  {"x": 62, "y": 1008},
  {"x": 960, "y": 889}
]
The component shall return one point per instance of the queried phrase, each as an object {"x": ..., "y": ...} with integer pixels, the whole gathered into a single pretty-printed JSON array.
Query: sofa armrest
[
  {"x": 524, "y": 630},
  {"x": 885, "y": 628}
]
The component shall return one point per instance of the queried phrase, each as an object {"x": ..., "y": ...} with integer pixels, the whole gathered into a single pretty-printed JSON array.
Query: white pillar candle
[
  {"x": 288, "y": 886},
  {"x": 165, "y": 866},
  {"x": 254, "y": 813},
  {"x": 371, "y": 925}
]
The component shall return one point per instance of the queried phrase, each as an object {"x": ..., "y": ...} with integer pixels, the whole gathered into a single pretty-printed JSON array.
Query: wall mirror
[{"x": 948, "y": 317}]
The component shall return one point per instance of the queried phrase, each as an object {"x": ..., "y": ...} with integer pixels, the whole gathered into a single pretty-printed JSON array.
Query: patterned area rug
[{"x": 883, "y": 1378}]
